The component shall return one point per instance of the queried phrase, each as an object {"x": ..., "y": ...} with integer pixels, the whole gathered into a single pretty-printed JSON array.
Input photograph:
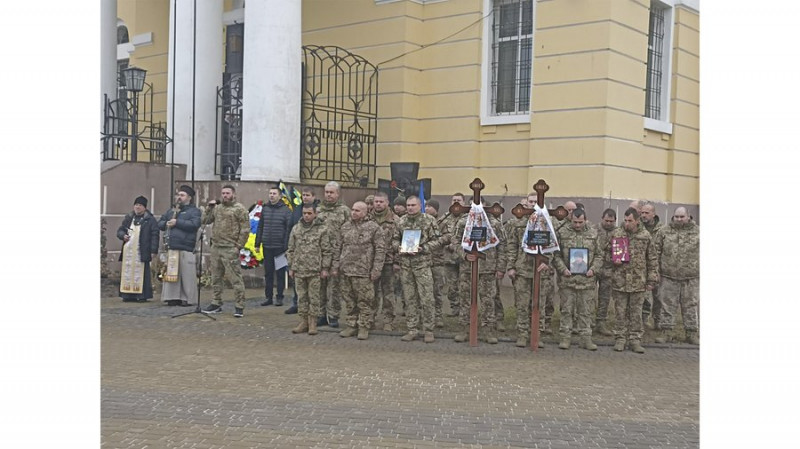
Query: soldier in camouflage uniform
[
  {"x": 630, "y": 281},
  {"x": 360, "y": 261},
  {"x": 604, "y": 229},
  {"x": 384, "y": 289},
  {"x": 229, "y": 235},
  {"x": 547, "y": 289},
  {"x": 519, "y": 268},
  {"x": 452, "y": 256},
  {"x": 490, "y": 269},
  {"x": 577, "y": 290},
  {"x": 437, "y": 263},
  {"x": 651, "y": 222},
  {"x": 678, "y": 246},
  {"x": 415, "y": 269},
  {"x": 334, "y": 214},
  {"x": 310, "y": 256}
]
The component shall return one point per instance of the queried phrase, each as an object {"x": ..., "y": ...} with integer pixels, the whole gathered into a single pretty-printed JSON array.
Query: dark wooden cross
[
  {"x": 520, "y": 211},
  {"x": 457, "y": 209}
]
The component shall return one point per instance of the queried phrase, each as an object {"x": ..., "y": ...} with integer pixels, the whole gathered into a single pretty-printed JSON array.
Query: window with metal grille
[
  {"x": 658, "y": 62},
  {"x": 511, "y": 52}
]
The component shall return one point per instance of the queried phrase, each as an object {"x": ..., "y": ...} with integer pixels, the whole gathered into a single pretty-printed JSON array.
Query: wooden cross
[
  {"x": 520, "y": 211},
  {"x": 457, "y": 209}
]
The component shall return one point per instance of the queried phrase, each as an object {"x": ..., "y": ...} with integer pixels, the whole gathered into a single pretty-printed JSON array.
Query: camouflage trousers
[
  {"x": 547, "y": 294},
  {"x": 384, "y": 294},
  {"x": 450, "y": 273},
  {"x": 487, "y": 287},
  {"x": 225, "y": 261},
  {"x": 440, "y": 284},
  {"x": 523, "y": 294},
  {"x": 674, "y": 293},
  {"x": 308, "y": 295},
  {"x": 331, "y": 299},
  {"x": 418, "y": 292},
  {"x": 499, "y": 312},
  {"x": 578, "y": 304},
  {"x": 628, "y": 307},
  {"x": 359, "y": 301},
  {"x": 603, "y": 299}
]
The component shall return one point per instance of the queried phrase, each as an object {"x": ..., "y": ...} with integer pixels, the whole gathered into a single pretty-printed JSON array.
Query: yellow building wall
[
  {"x": 586, "y": 135},
  {"x": 589, "y": 73}
]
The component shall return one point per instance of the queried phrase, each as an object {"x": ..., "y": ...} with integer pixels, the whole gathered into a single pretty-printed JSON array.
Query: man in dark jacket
[
  {"x": 181, "y": 224},
  {"x": 139, "y": 233},
  {"x": 273, "y": 234}
]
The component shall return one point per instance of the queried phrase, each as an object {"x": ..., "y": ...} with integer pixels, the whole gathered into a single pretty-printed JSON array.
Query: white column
[
  {"x": 271, "y": 109},
  {"x": 207, "y": 78},
  {"x": 108, "y": 55}
]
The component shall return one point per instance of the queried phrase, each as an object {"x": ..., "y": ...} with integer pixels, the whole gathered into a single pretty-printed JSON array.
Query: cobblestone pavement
[{"x": 190, "y": 382}]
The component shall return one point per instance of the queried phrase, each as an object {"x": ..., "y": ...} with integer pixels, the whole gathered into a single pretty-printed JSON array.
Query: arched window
[{"x": 122, "y": 35}]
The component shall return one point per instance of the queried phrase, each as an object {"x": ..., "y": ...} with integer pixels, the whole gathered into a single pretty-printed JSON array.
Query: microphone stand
[{"x": 199, "y": 284}]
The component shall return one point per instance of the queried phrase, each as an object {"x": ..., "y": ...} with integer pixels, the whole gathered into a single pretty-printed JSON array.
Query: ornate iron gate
[
  {"x": 228, "y": 161},
  {"x": 339, "y": 116}
]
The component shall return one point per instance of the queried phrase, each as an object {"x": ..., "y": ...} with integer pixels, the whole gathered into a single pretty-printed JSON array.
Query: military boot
[
  {"x": 692, "y": 338},
  {"x": 663, "y": 336},
  {"x": 619, "y": 346},
  {"x": 363, "y": 334},
  {"x": 586, "y": 343},
  {"x": 565, "y": 342},
  {"x": 348, "y": 332},
  {"x": 428, "y": 337},
  {"x": 302, "y": 327},
  {"x": 312, "y": 325},
  {"x": 409, "y": 336},
  {"x": 636, "y": 346},
  {"x": 461, "y": 336},
  {"x": 491, "y": 338},
  {"x": 522, "y": 341}
]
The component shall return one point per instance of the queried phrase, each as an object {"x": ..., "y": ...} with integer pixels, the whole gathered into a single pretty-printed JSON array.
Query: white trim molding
[
  {"x": 233, "y": 17},
  {"x": 486, "y": 117},
  {"x": 124, "y": 51},
  {"x": 657, "y": 125}
]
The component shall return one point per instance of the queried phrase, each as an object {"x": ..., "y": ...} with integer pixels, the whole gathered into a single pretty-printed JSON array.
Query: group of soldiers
[{"x": 358, "y": 258}]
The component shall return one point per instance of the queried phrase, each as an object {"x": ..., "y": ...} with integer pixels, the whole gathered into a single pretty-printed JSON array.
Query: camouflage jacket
[
  {"x": 430, "y": 239},
  {"x": 603, "y": 238},
  {"x": 231, "y": 224},
  {"x": 516, "y": 258},
  {"x": 310, "y": 249},
  {"x": 334, "y": 215},
  {"x": 570, "y": 238},
  {"x": 361, "y": 250},
  {"x": 449, "y": 253},
  {"x": 495, "y": 257},
  {"x": 387, "y": 221},
  {"x": 653, "y": 227},
  {"x": 642, "y": 270},
  {"x": 679, "y": 251}
]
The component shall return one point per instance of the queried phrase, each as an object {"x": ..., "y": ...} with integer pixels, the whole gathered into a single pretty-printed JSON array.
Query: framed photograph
[
  {"x": 619, "y": 249},
  {"x": 578, "y": 260},
  {"x": 478, "y": 234},
  {"x": 410, "y": 242}
]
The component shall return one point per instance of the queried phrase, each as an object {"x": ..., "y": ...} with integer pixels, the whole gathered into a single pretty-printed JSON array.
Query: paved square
[{"x": 191, "y": 382}]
